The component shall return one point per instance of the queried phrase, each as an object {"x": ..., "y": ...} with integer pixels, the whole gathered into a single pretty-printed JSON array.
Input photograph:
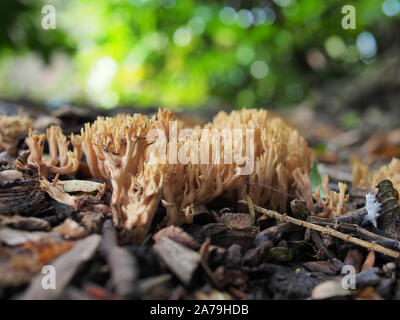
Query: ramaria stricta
[{"x": 118, "y": 151}]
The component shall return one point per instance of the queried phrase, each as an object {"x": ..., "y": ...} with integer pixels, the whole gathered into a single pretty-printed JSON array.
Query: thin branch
[{"x": 334, "y": 233}]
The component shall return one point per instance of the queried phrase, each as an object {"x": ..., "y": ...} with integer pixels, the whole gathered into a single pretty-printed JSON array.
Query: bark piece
[
  {"x": 320, "y": 266},
  {"x": 10, "y": 175},
  {"x": 389, "y": 220},
  {"x": 123, "y": 265},
  {"x": 178, "y": 235},
  {"x": 299, "y": 209},
  {"x": 13, "y": 237},
  {"x": 224, "y": 236},
  {"x": 21, "y": 196},
  {"x": 183, "y": 262},
  {"x": 66, "y": 267},
  {"x": 25, "y": 223},
  {"x": 237, "y": 220}
]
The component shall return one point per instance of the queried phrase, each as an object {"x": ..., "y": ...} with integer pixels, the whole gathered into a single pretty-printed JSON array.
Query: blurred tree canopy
[{"x": 182, "y": 53}]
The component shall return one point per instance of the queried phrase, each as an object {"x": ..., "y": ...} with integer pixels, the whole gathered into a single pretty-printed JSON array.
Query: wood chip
[
  {"x": 123, "y": 265},
  {"x": 224, "y": 236},
  {"x": 25, "y": 223},
  {"x": 14, "y": 237},
  {"x": 21, "y": 196},
  {"x": 66, "y": 266},
  {"x": 237, "y": 220},
  {"x": 183, "y": 262},
  {"x": 10, "y": 175},
  {"x": 178, "y": 235}
]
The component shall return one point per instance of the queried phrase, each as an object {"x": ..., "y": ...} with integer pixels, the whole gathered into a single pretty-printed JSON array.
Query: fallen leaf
[
  {"x": 84, "y": 186},
  {"x": 369, "y": 261}
]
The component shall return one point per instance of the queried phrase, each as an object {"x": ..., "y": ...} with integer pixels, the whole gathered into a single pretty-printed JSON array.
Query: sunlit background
[{"x": 185, "y": 54}]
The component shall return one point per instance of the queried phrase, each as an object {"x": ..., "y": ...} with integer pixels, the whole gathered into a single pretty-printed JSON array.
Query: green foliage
[
  {"x": 182, "y": 53},
  {"x": 316, "y": 178}
]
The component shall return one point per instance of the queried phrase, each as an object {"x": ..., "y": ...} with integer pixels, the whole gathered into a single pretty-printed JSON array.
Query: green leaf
[
  {"x": 279, "y": 254},
  {"x": 316, "y": 178}
]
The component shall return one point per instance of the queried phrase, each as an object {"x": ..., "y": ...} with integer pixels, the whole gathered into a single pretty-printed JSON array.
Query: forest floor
[{"x": 231, "y": 251}]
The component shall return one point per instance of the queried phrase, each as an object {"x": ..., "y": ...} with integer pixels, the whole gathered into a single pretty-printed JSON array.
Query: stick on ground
[{"x": 334, "y": 233}]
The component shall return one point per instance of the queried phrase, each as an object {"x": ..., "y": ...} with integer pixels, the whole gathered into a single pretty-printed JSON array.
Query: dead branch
[{"x": 325, "y": 230}]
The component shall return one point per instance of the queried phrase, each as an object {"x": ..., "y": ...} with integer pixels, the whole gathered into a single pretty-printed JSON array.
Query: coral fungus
[
  {"x": 124, "y": 152},
  {"x": 60, "y": 161},
  {"x": 332, "y": 205},
  {"x": 363, "y": 177},
  {"x": 278, "y": 151}
]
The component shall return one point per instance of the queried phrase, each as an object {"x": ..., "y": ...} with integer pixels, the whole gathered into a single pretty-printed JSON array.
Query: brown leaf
[{"x": 369, "y": 261}]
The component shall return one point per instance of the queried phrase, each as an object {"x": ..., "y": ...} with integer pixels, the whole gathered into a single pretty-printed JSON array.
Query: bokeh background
[{"x": 196, "y": 54}]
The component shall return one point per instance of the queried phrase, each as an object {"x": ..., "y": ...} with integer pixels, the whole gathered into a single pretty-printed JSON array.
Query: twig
[
  {"x": 204, "y": 263},
  {"x": 363, "y": 233},
  {"x": 337, "y": 234}
]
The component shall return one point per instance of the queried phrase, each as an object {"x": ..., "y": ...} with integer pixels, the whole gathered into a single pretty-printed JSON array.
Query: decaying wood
[
  {"x": 337, "y": 234},
  {"x": 389, "y": 220},
  {"x": 355, "y": 229},
  {"x": 66, "y": 267},
  {"x": 21, "y": 196},
  {"x": 237, "y": 220},
  {"x": 8, "y": 175},
  {"x": 123, "y": 265},
  {"x": 321, "y": 266},
  {"x": 178, "y": 235},
  {"x": 13, "y": 237},
  {"x": 299, "y": 209},
  {"x": 277, "y": 231},
  {"x": 224, "y": 236},
  {"x": 25, "y": 223},
  {"x": 182, "y": 261},
  {"x": 322, "y": 251}
]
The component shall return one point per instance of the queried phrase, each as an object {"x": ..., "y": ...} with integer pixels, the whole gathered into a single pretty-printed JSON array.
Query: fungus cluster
[
  {"x": 118, "y": 151},
  {"x": 278, "y": 151},
  {"x": 60, "y": 160},
  {"x": 329, "y": 206},
  {"x": 363, "y": 177},
  {"x": 12, "y": 129}
]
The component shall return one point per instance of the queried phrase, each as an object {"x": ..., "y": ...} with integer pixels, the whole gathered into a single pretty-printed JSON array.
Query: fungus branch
[
  {"x": 13, "y": 128},
  {"x": 60, "y": 160},
  {"x": 332, "y": 206}
]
